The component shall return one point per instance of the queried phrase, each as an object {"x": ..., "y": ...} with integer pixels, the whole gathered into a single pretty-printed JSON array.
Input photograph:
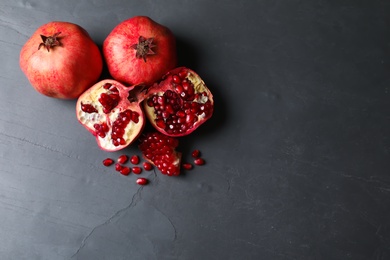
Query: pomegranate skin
[
  {"x": 120, "y": 55},
  {"x": 64, "y": 71}
]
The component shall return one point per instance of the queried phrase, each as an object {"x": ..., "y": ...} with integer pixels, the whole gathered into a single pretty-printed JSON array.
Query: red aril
[
  {"x": 187, "y": 166},
  {"x": 125, "y": 171},
  {"x": 160, "y": 150},
  {"x": 122, "y": 159},
  {"x": 142, "y": 181},
  {"x": 118, "y": 167},
  {"x": 147, "y": 166},
  {"x": 61, "y": 60},
  {"x": 180, "y": 103},
  {"x": 112, "y": 113},
  {"x": 199, "y": 161},
  {"x": 134, "y": 159},
  {"x": 107, "y": 162},
  {"x": 137, "y": 170},
  {"x": 195, "y": 154},
  {"x": 139, "y": 50}
]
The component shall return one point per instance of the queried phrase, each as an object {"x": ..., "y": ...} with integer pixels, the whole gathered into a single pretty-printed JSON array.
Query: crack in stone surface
[{"x": 109, "y": 220}]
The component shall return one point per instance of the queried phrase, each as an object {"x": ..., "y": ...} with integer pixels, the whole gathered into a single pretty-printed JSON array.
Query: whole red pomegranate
[
  {"x": 61, "y": 60},
  {"x": 180, "y": 103},
  {"x": 139, "y": 50},
  {"x": 112, "y": 113}
]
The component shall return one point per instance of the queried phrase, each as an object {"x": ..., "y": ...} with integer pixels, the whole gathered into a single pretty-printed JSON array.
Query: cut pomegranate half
[
  {"x": 180, "y": 103},
  {"x": 112, "y": 113}
]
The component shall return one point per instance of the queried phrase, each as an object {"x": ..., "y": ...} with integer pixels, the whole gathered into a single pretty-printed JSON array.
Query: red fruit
[
  {"x": 139, "y": 50},
  {"x": 195, "y": 154},
  {"x": 137, "y": 170},
  {"x": 108, "y": 162},
  {"x": 147, "y": 166},
  {"x": 142, "y": 181},
  {"x": 125, "y": 171},
  {"x": 61, "y": 60},
  {"x": 160, "y": 150},
  {"x": 187, "y": 166},
  {"x": 134, "y": 159},
  {"x": 112, "y": 113},
  {"x": 199, "y": 161},
  {"x": 123, "y": 159},
  {"x": 177, "y": 109}
]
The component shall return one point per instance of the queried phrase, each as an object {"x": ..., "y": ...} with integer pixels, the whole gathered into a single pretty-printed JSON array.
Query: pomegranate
[
  {"x": 139, "y": 50},
  {"x": 159, "y": 149},
  {"x": 180, "y": 103},
  {"x": 112, "y": 113},
  {"x": 61, "y": 60}
]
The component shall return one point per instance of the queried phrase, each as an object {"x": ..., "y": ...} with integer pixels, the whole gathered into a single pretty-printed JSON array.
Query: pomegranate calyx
[
  {"x": 143, "y": 47},
  {"x": 50, "y": 41}
]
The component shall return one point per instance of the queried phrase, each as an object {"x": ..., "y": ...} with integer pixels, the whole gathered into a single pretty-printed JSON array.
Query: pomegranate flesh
[
  {"x": 180, "y": 103},
  {"x": 112, "y": 113},
  {"x": 61, "y": 60},
  {"x": 139, "y": 50},
  {"x": 160, "y": 150}
]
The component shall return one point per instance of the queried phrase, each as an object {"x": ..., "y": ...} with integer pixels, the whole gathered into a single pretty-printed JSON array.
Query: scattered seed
[
  {"x": 118, "y": 167},
  {"x": 134, "y": 159},
  {"x": 142, "y": 181},
  {"x": 137, "y": 170},
  {"x": 187, "y": 166},
  {"x": 199, "y": 161},
  {"x": 123, "y": 159},
  {"x": 107, "y": 162},
  {"x": 195, "y": 154},
  {"x": 147, "y": 166},
  {"x": 125, "y": 171}
]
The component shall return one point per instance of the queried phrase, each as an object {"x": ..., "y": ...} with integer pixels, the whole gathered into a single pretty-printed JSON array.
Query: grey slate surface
[{"x": 297, "y": 152}]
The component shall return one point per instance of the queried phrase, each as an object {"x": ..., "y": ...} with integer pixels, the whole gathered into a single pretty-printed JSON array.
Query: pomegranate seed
[
  {"x": 123, "y": 159},
  {"x": 199, "y": 161},
  {"x": 108, "y": 162},
  {"x": 88, "y": 108},
  {"x": 125, "y": 171},
  {"x": 183, "y": 74},
  {"x": 134, "y": 159},
  {"x": 137, "y": 170},
  {"x": 118, "y": 167},
  {"x": 142, "y": 181},
  {"x": 176, "y": 79},
  {"x": 187, "y": 166},
  {"x": 107, "y": 85},
  {"x": 147, "y": 166},
  {"x": 195, "y": 154}
]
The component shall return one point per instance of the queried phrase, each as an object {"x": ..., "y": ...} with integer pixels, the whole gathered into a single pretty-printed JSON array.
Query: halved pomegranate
[
  {"x": 112, "y": 113},
  {"x": 180, "y": 103},
  {"x": 160, "y": 150}
]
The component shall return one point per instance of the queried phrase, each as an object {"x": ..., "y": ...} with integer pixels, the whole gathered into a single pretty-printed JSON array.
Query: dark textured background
[{"x": 297, "y": 152}]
